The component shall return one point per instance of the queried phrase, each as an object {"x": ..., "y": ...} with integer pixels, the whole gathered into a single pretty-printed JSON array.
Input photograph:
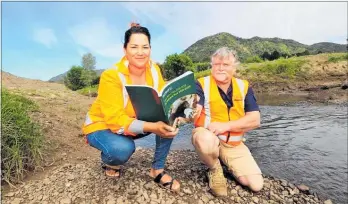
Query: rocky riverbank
[{"x": 82, "y": 181}]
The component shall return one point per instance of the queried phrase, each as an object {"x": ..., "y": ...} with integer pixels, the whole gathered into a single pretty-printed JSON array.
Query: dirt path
[{"x": 72, "y": 171}]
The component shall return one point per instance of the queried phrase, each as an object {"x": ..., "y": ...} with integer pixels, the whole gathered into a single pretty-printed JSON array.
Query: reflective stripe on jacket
[
  {"x": 216, "y": 110},
  {"x": 112, "y": 108}
]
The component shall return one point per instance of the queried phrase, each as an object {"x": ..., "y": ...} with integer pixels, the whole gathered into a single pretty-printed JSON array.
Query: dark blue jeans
[{"x": 117, "y": 149}]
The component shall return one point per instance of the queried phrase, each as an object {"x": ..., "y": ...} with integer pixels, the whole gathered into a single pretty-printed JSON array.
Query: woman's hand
[{"x": 161, "y": 129}]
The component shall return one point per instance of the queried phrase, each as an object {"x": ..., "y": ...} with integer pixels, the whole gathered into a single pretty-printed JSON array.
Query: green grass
[
  {"x": 336, "y": 57},
  {"x": 202, "y": 73},
  {"x": 21, "y": 138},
  {"x": 89, "y": 91},
  {"x": 281, "y": 68}
]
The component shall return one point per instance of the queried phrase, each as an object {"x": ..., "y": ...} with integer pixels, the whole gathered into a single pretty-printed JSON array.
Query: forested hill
[{"x": 256, "y": 46}]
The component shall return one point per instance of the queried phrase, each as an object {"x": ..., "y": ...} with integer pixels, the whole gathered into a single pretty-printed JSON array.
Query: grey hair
[{"x": 226, "y": 52}]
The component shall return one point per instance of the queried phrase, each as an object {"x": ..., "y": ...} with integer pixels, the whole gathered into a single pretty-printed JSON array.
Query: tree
[
  {"x": 73, "y": 79},
  {"x": 266, "y": 56},
  {"x": 201, "y": 66},
  {"x": 305, "y": 52},
  {"x": 275, "y": 55},
  {"x": 88, "y": 61},
  {"x": 175, "y": 65},
  {"x": 88, "y": 74}
]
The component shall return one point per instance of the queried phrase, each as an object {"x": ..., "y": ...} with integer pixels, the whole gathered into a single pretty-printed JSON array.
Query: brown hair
[{"x": 135, "y": 28}]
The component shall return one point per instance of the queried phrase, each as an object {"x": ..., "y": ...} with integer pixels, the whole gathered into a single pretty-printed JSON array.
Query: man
[{"x": 226, "y": 109}]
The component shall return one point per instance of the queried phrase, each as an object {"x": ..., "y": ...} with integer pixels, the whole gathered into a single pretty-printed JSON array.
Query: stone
[
  {"x": 241, "y": 192},
  {"x": 291, "y": 185},
  {"x": 234, "y": 192},
  {"x": 153, "y": 196},
  {"x": 283, "y": 182},
  {"x": 148, "y": 186},
  {"x": 205, "y": 199},
  {"x": 303, "y": 187},
  {"x": 111, "y": 201},
  {"x": 146, "y": 196},
  {"x": 328, "y": 201},
  {"x": 187, "y": 191},
  {"x": 65, "y": 201},
  {"x": 119, "y": 200},
  {"x": 238, "y": 199},
  {"x": 285, "y": 193},
  {"x": 132, "y": 191},
  {"x": 10, "y": 194},
  {"x": 266, "y": 185},
  {"x": 255, "y": 199}
]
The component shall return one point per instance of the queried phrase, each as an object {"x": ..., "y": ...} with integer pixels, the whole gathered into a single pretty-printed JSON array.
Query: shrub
[
  {"x": 89, "y": 91},
  {"x": 74, "y": 78},
  {"x": 201, "y": 66},
  {"x": 253, "y": 59},
  {"x": 176, "y": 64},
  {"x": 22, "y": 139},
  {"x": 337, "y": 57}
]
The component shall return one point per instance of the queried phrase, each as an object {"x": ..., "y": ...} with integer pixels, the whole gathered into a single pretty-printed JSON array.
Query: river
[{"x": 303, "y": 144}]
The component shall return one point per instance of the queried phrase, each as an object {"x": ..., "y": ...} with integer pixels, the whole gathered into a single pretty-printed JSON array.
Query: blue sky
[{"x": 43, "y": 39}]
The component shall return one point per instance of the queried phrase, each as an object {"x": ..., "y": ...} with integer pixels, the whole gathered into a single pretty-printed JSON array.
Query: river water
[{"x": 303, "y": 144}]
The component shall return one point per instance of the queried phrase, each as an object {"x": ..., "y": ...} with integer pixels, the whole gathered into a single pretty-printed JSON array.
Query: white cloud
[
  {"x": 45, "y": 36},
  {"x": 305, "y": 22},
  {"x": 98, "y": 37}
]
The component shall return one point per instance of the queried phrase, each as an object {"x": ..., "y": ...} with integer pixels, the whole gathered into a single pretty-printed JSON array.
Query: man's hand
[
  {"x": 218, "y": 128},
  {"x": 197, "y": 112},
  {"x": 180, "y": 121}
]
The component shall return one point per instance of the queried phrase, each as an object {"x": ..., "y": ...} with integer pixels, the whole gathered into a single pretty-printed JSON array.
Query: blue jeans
[{"x": 117, "y": 149}]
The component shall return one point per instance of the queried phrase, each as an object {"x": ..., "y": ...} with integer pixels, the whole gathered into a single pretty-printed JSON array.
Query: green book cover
[{"x": 175, "y": 99}]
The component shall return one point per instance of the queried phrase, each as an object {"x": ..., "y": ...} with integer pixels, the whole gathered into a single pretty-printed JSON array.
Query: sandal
[
  {"x": 110, "y": 169},
  {"x": 167, "y": 185}
]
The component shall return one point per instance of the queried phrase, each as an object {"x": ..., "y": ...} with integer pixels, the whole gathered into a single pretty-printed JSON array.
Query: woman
[{"x": 111, "y": 125}]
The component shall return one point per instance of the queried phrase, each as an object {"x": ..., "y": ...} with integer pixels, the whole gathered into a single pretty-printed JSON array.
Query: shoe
[{"x": 217, "y": 181}]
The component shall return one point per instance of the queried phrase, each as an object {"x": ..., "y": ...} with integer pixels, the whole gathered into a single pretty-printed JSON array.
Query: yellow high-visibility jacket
[
  {"x": 112, "y": 108},
  {"x": 216, "y": 110}
]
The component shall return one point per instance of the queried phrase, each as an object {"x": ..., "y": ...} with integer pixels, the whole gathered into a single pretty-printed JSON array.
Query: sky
[{"x": 41, "y": 40}]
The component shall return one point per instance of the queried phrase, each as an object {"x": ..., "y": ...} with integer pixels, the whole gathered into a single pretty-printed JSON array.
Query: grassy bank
[
  {"x": 22, "y": 139},
  {"x": 292, "y": 69}
]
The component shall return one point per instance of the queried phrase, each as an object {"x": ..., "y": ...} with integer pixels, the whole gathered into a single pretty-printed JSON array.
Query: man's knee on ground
[
  {"x": 254, "y": 182},
  {"x": 243, "y": 180}
]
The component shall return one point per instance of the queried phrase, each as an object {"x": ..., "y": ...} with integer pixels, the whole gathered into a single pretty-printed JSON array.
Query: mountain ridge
[{"x": 201, "y": 50}]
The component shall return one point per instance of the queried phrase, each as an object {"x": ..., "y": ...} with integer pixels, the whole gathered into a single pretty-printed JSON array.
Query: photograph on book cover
[{"x": 183, "y": 107}]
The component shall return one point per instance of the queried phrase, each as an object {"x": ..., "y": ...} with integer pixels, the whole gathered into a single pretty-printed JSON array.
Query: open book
[{"x": 177, "y": 98}]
